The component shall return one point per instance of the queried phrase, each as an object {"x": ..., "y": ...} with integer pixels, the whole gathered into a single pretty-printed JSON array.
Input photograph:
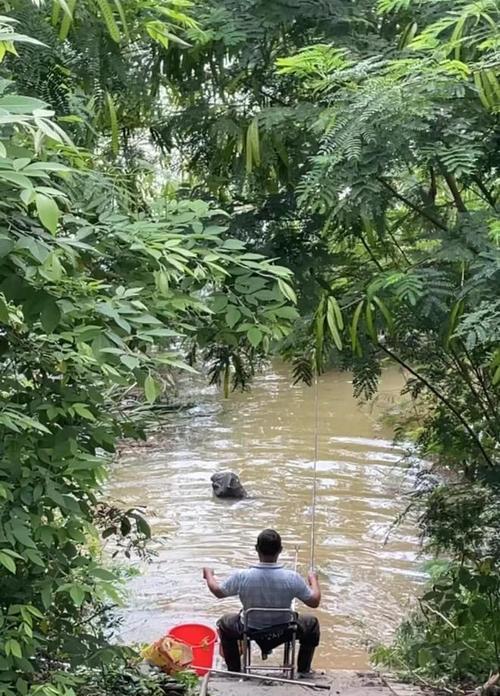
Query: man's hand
[
  {"x": 213, "y": 585},
  {"x": 208, "y": 573},
  {"x": 312, "y": 578}
]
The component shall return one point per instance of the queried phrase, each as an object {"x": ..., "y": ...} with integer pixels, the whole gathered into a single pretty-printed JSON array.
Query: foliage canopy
[{"x": 154, "y": 155}]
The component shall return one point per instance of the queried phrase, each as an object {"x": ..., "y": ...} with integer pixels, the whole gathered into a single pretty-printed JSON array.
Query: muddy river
[{"x": 267, "y": 437}]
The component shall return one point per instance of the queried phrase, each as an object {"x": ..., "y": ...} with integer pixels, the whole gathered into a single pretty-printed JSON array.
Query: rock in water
[{"x": 227, "y": 485}]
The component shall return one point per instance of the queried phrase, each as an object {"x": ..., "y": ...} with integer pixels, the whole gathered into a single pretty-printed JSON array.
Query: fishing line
[
  {"x": 296, "y": 566},
  {"x": 315, "y": 470}
]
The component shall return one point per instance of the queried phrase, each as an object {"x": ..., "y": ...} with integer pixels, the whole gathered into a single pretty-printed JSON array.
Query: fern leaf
[
  {"x": 386, "y": 6},
  {"x": 303, "y": 369}
]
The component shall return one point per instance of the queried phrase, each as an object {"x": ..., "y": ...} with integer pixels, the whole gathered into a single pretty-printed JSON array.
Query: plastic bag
[{"x": 169, "y": 655}]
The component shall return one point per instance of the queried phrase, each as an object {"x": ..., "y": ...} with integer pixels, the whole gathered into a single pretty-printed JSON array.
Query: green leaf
[
  {"x": 22, "y": 687},
  {"x": 46, "y": 595},
  {"x": 123, "y": 18},
  {"x": 453, "y": 321},
  {"x": 35, "y": 612},
  {"x": 496, "y": 376},
  {"x": 387, "y": 315},
  {"x": 233, "y": 315},
  {"x": 77, "y": 594},
  {"x": 408, "y": 35},
  {"x": 4, "y": 312},
  {"x": 286, "y": 313},
  {"x": 369, "y": 321},
  {"x": 16, "y": 178},
  {"x": 34, "y": 557},
  {"x": 424, "y": 657},
  {"x": 103, "y": 574},
  {"x": 142, "y": 525},
  {"x": 113, "y": 122},
  {"x": 356, "y": 347},
  {"x": 151, "y": 389},
  {"x": 84, "y": 412},
  {"x": 287, "y": 291},
  {"x": 20, "y": 163},
  {"x": 12, "y": 647},
  {"x": 339, "y": 321},
  {"x": 7, "y": 562},
  {"x": 22, "y": 535},
  {"x": 6, "y": 246},
  {"x": 331, "y": 317},
  {"x": 254, "y": 335},
  {"x": 16, "y": 104},
  {"x": 107, "y": 14},
  {"x": 50, "y": 316},
  {"x": 130, "y": 361},
  {"x": 252, "y": 146},
  {"x": 219, "y": 303},
  {"x": 67, "y": 20},
  {"x": 48, "y": 212},
  {"x": 233, "y": 244}
]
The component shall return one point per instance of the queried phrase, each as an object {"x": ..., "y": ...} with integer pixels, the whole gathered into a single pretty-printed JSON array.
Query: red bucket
[{"x": 202, "y": 641}]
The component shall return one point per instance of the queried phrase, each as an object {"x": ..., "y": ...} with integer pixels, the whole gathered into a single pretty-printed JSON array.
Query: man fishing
[{"x": 267, "y": 585}]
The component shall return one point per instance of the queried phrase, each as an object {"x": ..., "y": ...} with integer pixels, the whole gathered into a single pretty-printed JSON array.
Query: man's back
[{"x": 266, "y": 586}]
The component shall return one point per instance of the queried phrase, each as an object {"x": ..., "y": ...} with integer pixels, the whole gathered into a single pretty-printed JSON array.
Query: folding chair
[{"x": 284, "y": 633}]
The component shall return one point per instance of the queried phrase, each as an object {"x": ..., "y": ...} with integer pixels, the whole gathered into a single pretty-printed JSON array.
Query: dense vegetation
[
  {"x": 153, "y": 155},
  {"x": 103, "y": 288}
]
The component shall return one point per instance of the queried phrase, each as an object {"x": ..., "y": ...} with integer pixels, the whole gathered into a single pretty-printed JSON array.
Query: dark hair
[{"x": 269, "y": 543}]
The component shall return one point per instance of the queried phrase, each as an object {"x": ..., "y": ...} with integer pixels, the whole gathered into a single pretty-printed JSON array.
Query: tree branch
[
  {"x": 441, "y": 398},
  {"x": 452, "y": 185},
  {"x": 487, "y": 195},
  {"x": 457, "y": 361},
  {"x": 412, "y": 205},
  {"x": 480, "y": 379},
  {"x": 369, "y": 251}
]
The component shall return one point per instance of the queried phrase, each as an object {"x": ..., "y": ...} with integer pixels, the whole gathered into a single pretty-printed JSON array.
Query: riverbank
[{"x": 339, "y": 683}]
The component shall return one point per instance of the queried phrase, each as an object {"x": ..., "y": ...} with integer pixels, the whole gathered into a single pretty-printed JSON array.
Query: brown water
[{"x": 267, "y": 437}]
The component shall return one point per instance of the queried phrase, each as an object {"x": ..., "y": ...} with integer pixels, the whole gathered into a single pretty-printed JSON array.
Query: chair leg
[
  {"x": 286, "y": 659},
  {"x": 293, "y": 651},
  {"x": 247, "y": 660}
]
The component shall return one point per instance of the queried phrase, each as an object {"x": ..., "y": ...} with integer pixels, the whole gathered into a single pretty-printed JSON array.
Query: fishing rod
[{"x": 259, "y": 677}]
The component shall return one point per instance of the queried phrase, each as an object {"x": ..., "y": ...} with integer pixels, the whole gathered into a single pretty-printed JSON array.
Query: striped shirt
[{"x": 266, "y": 586}]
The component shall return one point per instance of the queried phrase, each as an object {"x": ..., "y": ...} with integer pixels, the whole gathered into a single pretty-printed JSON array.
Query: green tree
[
  {"x": 96, "y": 298},
  {"x": 406, "y": 177}
]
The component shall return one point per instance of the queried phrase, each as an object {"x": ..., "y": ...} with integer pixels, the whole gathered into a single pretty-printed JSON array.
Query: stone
[{"x": 227, "y": 485}]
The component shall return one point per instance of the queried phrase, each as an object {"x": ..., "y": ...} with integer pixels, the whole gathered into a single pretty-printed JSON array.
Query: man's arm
[
  {"x": 315, "y": 598},
  {"x": 212, "y": 584}
]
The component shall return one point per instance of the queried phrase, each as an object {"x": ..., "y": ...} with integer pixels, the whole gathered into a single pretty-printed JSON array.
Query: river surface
[{"x": 267, "y": 437}]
